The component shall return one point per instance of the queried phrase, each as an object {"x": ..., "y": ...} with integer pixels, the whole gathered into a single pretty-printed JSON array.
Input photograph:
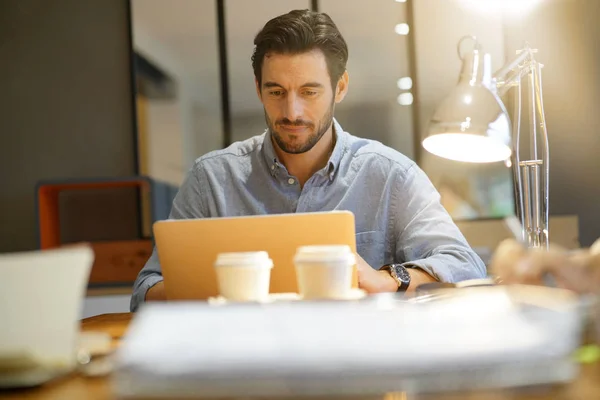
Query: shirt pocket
[{"x": 370, "y": 246}]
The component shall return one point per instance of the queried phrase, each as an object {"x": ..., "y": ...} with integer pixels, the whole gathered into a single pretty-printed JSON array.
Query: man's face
[{"x": 298, "y": 99}]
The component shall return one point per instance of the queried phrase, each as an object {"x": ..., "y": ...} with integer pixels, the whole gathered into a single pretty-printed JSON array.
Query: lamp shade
[{"x": 471, "y": 124}]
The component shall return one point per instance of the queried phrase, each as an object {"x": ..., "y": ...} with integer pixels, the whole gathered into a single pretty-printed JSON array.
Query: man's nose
[{"x": 293, "y": 108}]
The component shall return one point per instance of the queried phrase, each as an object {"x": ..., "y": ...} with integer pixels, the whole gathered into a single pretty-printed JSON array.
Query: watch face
[{"x": 401, "y": 273}]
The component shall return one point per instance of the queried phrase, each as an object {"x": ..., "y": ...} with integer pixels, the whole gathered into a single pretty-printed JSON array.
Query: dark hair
[{"x": 301, "y": 31}]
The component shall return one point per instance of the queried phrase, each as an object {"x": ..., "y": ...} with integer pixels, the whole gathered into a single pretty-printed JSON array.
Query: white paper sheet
[{"x": 199, "y": 346}]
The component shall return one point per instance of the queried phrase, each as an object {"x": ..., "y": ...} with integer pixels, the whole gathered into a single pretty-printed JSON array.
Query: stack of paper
[{"x": 481, "y": 337}]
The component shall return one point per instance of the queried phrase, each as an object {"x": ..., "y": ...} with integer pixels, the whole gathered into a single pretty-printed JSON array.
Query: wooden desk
[
  {"x": 75, "y": 386},
  {"x": 587, "y": 386}
]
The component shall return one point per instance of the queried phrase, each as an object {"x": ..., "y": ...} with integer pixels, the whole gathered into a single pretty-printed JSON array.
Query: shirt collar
[
  {"x": 334, "y": 159},
  {"x": 341, "y": 139}
]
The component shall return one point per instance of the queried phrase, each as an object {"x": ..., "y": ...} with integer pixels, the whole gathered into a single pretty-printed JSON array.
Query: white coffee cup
[
  {"x": 324, "y": 272},
  {"x": 42, "y": 295},
  {"x": 244, "y": 276}
]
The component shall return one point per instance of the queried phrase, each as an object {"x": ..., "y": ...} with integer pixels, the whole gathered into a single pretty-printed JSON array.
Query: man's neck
[{"x": 304, "y": 165}]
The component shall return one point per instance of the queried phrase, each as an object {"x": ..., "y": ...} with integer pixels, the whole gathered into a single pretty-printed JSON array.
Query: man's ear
[
  {"x": 342, "y": 87},
  {"x": 258, "y": 92}
]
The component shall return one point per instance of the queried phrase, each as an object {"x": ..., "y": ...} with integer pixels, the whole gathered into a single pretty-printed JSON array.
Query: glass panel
[
  {"x": 378, "y": 59},
  {"x": 468, "y": 191},
  {"x": 177, "y": 71},
  {"x": 471, "y": 191},
  {"x": 244, "y": 19}
]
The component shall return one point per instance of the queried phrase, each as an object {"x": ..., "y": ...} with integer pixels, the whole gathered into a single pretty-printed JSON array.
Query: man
[{"x": 305, "y": 162}]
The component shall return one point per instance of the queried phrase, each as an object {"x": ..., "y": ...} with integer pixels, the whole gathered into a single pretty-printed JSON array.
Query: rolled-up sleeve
[
  {"x": 149, "y": 276},
  {"x": 188, "y": 203},
  {"x": 427, "y": 237}
]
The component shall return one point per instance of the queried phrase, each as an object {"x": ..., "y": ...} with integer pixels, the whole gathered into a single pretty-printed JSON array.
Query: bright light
[
  {"x": 467, "y": 147},
  {"x": 509, "y": 7},
  {"x": 405, "y": 99},
  {"x": 402, "y": 29},
  {"x": 400, "y": 1},
  {"x": 405, "y": 83}
]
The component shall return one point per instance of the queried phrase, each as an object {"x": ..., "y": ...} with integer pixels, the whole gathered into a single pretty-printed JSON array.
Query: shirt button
[
  {"x": 273, "y": 167},
  {"x": 291, "y": 181}
]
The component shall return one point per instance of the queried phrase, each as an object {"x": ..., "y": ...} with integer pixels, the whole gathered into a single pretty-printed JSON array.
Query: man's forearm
[
  {"x": 418, "y": 277},
  {"x": 377, "y": 281},
  {"x": 156, "y": 292},
  {"x": 452, "y": 265}
]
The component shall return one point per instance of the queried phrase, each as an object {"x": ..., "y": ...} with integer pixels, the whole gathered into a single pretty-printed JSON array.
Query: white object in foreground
[
  {"x": 42, "y": 295},
  {"x": 324, "y": 272},
  {"x": 244, "y": 276},
  {"x": 472, "y": 338}
]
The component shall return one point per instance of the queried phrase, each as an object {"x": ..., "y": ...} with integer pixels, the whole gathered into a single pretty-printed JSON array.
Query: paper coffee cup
[
  {"x": 244, "y": 276},
  {"x": 324, "y": 272}
]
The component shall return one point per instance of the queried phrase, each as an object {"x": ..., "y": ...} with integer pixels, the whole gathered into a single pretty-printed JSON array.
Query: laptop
[{"x": 188, "y": 248}]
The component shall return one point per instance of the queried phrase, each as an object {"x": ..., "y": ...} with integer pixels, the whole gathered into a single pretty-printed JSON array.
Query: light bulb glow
[
  {"x": 467, "y": 148},
  {"x": 405, "y": 99},
  {"x": 405, "y": 83},
  {"x": 402, "y": 29},
  {"x": 495, "y": 7}
]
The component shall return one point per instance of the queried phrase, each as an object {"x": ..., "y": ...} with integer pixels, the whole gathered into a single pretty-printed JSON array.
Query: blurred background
[
  {"x": 114, "y": 90},
  {"x": 204, "y": 113}
]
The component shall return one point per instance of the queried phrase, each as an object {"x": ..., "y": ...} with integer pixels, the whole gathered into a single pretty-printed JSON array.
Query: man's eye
[
  {"x": 310, "y": 93},
  {"x": 275, "y": 93}
]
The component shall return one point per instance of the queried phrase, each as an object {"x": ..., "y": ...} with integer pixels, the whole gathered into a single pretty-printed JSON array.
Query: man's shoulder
[
  {"x": 236, "y": 153},
  {"x": 363, "y": 151}
]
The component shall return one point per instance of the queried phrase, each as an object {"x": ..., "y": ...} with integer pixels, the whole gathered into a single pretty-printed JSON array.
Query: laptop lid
[{"x": 188, "y": 248}]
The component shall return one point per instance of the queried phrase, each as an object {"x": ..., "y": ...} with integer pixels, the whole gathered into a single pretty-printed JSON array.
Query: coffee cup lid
[
  {"x": 239, "y": 259},
  {"x": 325, "y": 253}
]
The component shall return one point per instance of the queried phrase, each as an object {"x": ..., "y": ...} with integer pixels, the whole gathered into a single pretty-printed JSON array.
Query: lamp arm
[
  {"x": 511, "y": 72},
  {"x": 513, "y": 79},
  {"x": 512, "y": 64},
  {"x": 532, "y": 175}
]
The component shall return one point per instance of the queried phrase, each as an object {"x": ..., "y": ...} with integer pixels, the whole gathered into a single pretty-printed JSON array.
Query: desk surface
[{"x": 587, "y": 385}]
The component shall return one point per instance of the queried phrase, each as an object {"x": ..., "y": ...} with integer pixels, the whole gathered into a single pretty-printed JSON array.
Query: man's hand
[
  {"x": 156, "y": 292},
  {"x": 373, "y": 281},
  {"x": 575, "y": 270}
]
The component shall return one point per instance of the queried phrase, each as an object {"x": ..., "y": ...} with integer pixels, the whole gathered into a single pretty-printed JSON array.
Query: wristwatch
[{"x": 400, "y": 275}]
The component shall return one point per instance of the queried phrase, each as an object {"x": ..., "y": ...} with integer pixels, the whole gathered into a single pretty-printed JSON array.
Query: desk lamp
[{"x": 472, "y": 125}]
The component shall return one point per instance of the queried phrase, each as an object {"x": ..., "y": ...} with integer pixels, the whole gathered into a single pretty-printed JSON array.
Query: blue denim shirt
[{"x": 398, "y": 214}]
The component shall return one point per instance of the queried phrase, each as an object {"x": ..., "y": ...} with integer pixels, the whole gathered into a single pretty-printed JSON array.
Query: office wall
[
  {"x": 65, "y": 103},
  {"x": 165, "y": 141},
  {"x": 182, "y": 41},
  {"x": 566, "y": 34}
]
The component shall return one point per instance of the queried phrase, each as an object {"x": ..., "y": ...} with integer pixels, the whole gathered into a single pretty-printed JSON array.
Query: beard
[{"x": 298, "y": 147}]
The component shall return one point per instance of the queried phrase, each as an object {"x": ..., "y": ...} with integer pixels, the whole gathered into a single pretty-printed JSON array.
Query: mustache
[{"x": 298, "y": 122}]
